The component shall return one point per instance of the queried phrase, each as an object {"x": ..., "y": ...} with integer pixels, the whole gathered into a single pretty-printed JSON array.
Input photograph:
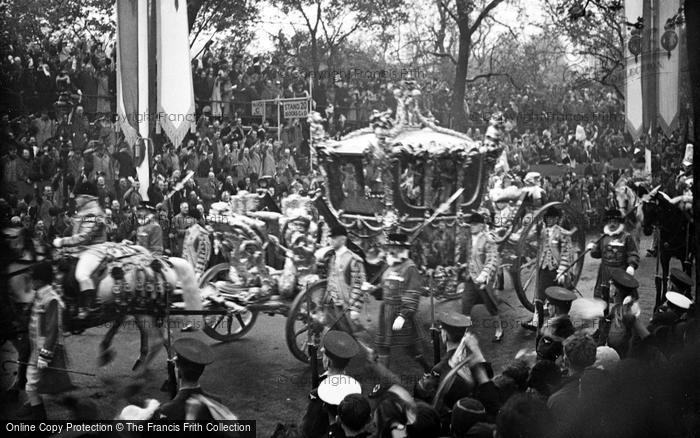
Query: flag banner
[
  {"x": 296, "y": 109},
  {"x": 175, "y": 90},
  {"x": 669, "y": 66},
  {"x": 143, "y": 168},
  {"x": 127, "y": 69},
  {"x": 649, "y": 69},
  {"x": 634, "y": 106}
]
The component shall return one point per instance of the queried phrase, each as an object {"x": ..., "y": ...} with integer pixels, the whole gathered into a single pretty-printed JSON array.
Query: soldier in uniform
[
  {"x": 681, "y": 282},
  {"x": 616, "y": 249},
  {"x": 616, "y": 330},
  {"x": 558, "y": 302},
  {"x": 181, "y": 222},
  {"x": 398, "y": 322},
  {"x": 149, "y": 233},
  {"x": 88, "y": 230},
  {"x": 337, "y": 348},
  {"x": 482, "y": 262},
  {"x": 453, "y": 325},
  {"x": 556, "y": 248},
  {"x": 667, "y": 325},
  {"x": 191, "y": 402},
  {"x": 551, "y": 336},
  {"x": 46, "y": 340}
]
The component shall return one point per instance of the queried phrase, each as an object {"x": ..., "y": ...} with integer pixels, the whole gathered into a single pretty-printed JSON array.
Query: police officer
[
  {"x": 149, "y": 233},
  {"x": 681, "y": 282},
  {"x": 615, "y": 329},
  {"x": 453, "y": 325},
  {"x": 616, "y": 249},
  {"x": 338, "y": 348},
  {"x": 551, "y": 335},
  {"x": 667, "y": 325},
  {"x": 191, "y": 402}
]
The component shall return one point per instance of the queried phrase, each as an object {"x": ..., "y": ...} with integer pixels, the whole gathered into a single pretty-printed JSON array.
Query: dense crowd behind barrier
[{"x": 58, "y": 127}]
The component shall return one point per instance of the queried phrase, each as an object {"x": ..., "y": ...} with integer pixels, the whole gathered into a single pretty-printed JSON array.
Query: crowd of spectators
[
  {"x": 572, "y": 387},
  {"x": 45, "y": 151},
  {"x": 58, "y": 128}
]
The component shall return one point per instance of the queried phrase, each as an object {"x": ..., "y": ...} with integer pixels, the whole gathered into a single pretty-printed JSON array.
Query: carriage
[{"x": 403, "y": 174}]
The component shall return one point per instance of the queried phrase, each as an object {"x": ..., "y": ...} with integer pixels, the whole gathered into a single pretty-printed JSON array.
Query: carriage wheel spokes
[
  {"x": 229, "y": 321},
  {"x": 218, "y": 321},
  {"x": 304, "y": 317},
  {"x": 234, "y": 328}
]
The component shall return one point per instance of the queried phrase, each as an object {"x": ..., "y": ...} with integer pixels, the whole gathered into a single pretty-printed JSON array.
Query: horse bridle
[{"x": 658, "y": 223}]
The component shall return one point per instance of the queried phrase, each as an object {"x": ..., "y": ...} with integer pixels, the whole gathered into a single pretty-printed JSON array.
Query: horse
[
  {"x": 628, "y": 200},
  {"x": 130, "y": 268},
  {"x": 675, "y": 234},
  {"x": 126, "y": 272}
]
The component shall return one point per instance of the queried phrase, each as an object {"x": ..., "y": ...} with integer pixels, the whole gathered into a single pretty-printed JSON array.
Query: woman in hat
[
  {"x": 616, "y": 249},
  {"x": 401, "y": 284}
]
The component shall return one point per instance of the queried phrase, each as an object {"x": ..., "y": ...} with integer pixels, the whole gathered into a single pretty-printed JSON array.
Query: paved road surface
[{"x": 259, "y": 379}]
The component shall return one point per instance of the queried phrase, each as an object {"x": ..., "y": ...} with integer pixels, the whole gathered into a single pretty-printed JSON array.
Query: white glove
[
  {"x": 590, "y": 246},
  {"x": 481, "y": 279},
  {"x": 561, "y": 279},
  {"x": 398, "y": 323},
  {"x": 630, "y": 270},
  {"x": 41, "y": 363},
  {"x": 57, "y": 242},
  {"x": 354, "y": 315}
]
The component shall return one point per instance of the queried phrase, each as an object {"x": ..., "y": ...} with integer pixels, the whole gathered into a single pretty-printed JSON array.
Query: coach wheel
[
  {"x": 225, "y": 328},
  {"x": 303, "y": 316},
  {"x": 524, "y": 271}
]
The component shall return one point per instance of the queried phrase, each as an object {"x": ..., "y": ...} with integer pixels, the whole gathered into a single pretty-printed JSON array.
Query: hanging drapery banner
[
  {"x": 295, "y": 109},
  {"x": 175, "y": 90},
  {"x": 127, "y": 71},
  {"x": 143, "y": 162},
  {"x": 633, "y": 72},
  {"x": 669, "y": 61}
]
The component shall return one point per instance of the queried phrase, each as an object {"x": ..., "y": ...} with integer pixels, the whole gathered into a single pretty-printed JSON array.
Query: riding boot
[{"x": 87, "y": 303}]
